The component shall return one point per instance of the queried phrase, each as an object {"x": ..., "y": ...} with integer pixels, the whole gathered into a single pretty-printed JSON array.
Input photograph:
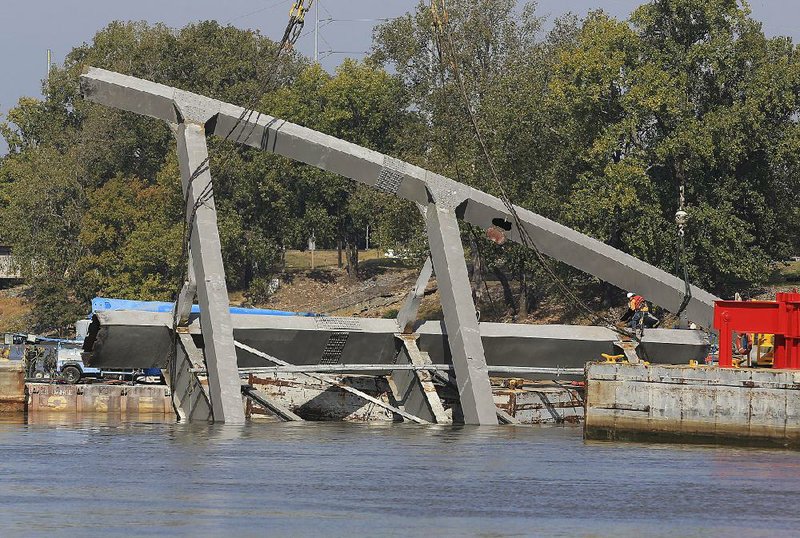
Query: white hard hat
[{"x": 630, "y": 294}]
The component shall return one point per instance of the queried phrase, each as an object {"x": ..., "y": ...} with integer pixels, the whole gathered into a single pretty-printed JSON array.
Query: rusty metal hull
[
  {"x": 127, "y": 339},
  {"x": 532, "y": 404}
]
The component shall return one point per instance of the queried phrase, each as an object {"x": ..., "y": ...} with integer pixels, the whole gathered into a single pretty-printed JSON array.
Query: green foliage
[
  {"x": 92, "y": 195},
  {"x": 132, "y": 240},
  {"x": 598, "y": 124},
  {"x": 362, "y": 104}
]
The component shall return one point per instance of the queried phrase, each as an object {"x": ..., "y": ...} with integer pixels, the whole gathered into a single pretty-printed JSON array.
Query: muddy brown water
[{"x": 91, "y": 476}]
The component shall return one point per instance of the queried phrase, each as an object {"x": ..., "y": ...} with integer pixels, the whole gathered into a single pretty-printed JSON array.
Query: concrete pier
[
  {"x": 692, "y": 404},
  {"x": 12, "y": 387}
]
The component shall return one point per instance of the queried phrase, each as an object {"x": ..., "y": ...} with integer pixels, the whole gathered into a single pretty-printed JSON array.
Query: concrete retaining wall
[
  {"x": 700, "y": 404},
  {"x": 111, "y": 399}
]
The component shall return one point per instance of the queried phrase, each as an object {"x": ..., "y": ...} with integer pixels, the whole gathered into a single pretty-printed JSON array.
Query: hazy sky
[{"x": 29, "y": 28}]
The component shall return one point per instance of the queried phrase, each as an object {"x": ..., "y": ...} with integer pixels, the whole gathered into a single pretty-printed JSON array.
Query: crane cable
[
  {"x": 297, "y": 18},
  {"x": 446, "y": 45},
  {"x": 290, "y": 36},
  {"x": 681, "y": 219}
]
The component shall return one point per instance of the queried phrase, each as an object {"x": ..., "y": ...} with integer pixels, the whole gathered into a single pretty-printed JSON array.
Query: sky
[{"x": 28, "y": 29}]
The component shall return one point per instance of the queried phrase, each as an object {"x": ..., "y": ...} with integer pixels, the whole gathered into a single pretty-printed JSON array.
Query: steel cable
[
  {"x": 290, "y": 36},
  {"x": 446, "y": 45}
]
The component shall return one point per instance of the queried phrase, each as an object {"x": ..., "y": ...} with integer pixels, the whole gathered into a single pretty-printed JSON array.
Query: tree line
[{"x": 596, "y": 123}]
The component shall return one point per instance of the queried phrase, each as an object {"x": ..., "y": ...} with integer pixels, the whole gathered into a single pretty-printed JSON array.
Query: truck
[{"x": 71, "y": 368}]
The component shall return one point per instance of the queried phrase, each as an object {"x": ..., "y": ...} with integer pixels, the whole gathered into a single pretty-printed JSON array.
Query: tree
[
  {"x": 111, "y": 177},
  {"x": 692, "y": 94},
  {"x": 72, "y": 164},
  {"x": 479, "y": 45},
  {"x": 41, "y": 218},
  {"x": 359, "y": 103}
]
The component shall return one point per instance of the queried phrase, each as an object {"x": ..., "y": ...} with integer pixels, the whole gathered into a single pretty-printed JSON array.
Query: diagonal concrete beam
[
  {"x": 401, "y": 179},
  {"x": 183, "y": 306},
  {"x": 212, "y": 291},
  {"x": 415, "y": 389},
  {"x": 460, "y": 319},
  {"x": 407, "y": 316},
  {"x": 189, "y": 394}
]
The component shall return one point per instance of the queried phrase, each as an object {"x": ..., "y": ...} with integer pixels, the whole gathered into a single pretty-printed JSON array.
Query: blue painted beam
[{"x": 104, "y": 304}]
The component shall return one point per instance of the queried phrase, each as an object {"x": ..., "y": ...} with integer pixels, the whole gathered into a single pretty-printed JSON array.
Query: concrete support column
[
  {"x": 189, "y": 393},
  {"x": 463, "y": 332},
  {"x": 415, "y": 391},
  {"x": 212, "y": 291}
]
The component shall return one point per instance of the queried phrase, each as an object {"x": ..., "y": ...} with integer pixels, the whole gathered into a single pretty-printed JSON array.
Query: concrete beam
[
  {"x": 183, "y": 306},
  {"x": 189, "y": 395},
  {"x": 463, "y": 333},
  {"x": 130, "y": 339},
  {"x": 270, "y": 404},
  {"x": 414, "y": 389},
  {"x": 407, "y": 316},
  {"x": 212, "y": 290},
  {"x": 401, "y": 179}
]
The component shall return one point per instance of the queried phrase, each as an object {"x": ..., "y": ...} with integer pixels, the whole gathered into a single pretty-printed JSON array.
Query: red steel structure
[{"x": 780, "y": 317}]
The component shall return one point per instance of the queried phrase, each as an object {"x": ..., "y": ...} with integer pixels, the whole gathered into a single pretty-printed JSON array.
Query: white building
[{"x": 7, "y": 269}]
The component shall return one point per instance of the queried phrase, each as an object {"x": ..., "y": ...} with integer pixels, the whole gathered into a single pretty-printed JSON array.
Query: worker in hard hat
[{"x": 640, "y": 316}]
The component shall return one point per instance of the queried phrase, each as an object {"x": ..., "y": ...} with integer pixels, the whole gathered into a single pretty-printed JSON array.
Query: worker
[
  {"x": 742, "y": 344},
  {"x": 639, "y": 313}
]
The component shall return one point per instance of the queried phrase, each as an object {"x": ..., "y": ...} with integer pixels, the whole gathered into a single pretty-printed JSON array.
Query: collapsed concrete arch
[{"x": 442, "y": 200}]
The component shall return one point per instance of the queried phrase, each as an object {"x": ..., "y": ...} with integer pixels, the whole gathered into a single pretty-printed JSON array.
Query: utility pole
[
  {"x": 316, "y": 31},
  {"x": 47, "y": 79}
]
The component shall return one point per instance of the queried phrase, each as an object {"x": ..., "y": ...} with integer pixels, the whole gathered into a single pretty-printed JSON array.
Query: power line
[
  {"x": 383, "y": 19},
  {"x": 326, "y": 53},
  {"x": 260, "y": 10},
  {"x": 330, "y": 19}
]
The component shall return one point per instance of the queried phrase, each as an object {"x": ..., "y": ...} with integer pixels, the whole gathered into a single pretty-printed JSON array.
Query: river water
[{"x": 92, "y": 477}]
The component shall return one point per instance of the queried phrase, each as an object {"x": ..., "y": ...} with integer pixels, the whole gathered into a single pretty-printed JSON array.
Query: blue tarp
[{"x": 102, "y": 304}]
